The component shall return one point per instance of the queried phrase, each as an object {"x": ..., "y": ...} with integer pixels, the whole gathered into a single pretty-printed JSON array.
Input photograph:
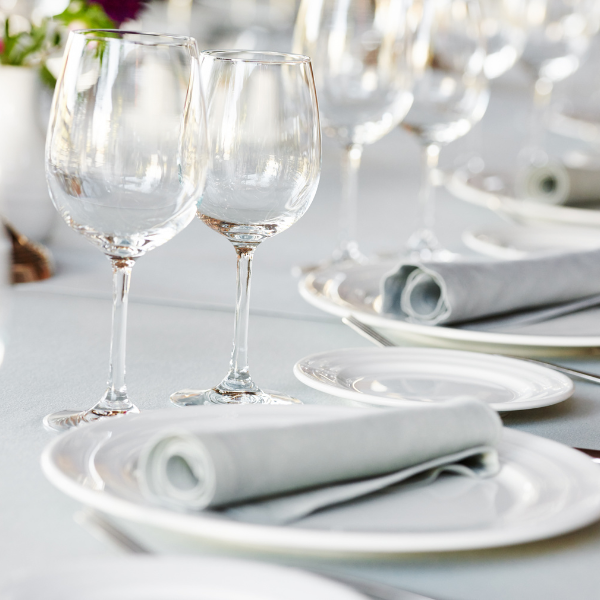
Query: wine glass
[
  {"x": 450, "y": 95},
  {"x": 125, "y": 162},
  {"x": 359, "y": 49},
  {"x": 503, "y": 26},
  {"x": 265, "y": 143},
  {"x": 558, "y": 35}
]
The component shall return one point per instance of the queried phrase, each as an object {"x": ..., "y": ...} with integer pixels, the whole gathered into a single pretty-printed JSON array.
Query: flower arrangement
[
  {"x": 25, "y": 43},
  {"x": 29, "y": 42}
]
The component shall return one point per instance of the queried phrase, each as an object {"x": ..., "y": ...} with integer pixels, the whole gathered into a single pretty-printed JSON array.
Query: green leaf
[
  {"x": 47, "y": 77},
  {"x": 92, "y": 15}
]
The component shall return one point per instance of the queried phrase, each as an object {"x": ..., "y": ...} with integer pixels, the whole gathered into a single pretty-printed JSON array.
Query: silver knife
[{"x": 381, "y": 340}]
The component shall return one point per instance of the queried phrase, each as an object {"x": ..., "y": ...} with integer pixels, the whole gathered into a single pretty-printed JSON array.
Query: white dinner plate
[
  {"x": 580, "y": 123},
  {"x": 518, "y": 241},
  {"x": 355, "y": 290},
  {"x": 401, "y": 376},
  {"x": 173, "y": 578},
  {"x": 543, "y": 489},
  {"x": 495, "y": 191}
]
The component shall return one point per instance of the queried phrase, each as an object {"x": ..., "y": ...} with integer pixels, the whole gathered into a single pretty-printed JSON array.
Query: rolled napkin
[
  {"x": 550, "y": 183},
  {"x": 470, "y": 289},
  {"x": 574, "y": 180},
  {"x": 277, "y": 468}
]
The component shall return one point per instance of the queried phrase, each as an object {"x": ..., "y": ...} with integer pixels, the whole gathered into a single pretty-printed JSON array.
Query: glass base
[
  {"x": 67, "y": 419},
  {"x": 348, "y": 253},
  {"x": 339, "y": 258},
  {"x": 437, "y": 255},
  {"x": 423, "y": 245},
  {"x": 215, "y": 396}
]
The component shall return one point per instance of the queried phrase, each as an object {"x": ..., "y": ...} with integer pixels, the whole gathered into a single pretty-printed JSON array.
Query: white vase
[{"x": 24, "y": 198}]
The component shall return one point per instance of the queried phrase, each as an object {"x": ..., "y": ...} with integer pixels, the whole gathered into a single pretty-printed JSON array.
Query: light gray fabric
[
  {"x": 466, "y": 290},
  {"x": 556, "y": 183},
  {"x": 261, "y": 458},
  {"x": 481, "y": 461},
  {"x": 536, "y": 315}
]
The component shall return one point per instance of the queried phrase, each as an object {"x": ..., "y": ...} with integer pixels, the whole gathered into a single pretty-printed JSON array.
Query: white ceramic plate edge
[
  {"x": 207, "y": 575},
  {"x": 341, "y": 543},
  {"x": 472, "y": 240},
  {"x": 448, "y": 333},
  {"x": 382, "y": 401},
  {"x": 524, "y": 209}
]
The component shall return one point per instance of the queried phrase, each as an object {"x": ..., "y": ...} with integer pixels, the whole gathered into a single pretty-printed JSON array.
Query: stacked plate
[
  {"x": 401, "y": 376},
  {"x": 544, "y": 489},
  {"x": 497, "y": 192},
  {"x": 355, "y": 290},
  {"x": 518, "y": 241}
]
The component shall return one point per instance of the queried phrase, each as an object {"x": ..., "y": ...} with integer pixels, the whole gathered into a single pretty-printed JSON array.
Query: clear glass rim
[
  {"x": 144, "y": 38},
  {"x": 278, "y": 58}
]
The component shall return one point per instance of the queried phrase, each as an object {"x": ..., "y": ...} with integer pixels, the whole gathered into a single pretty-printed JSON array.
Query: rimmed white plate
[
  {"x": 495, "y": 192},
  {"x": 173, "y": 578},
  {"x": 517, "y": 241},
  {"x": 355, "y": 290},
  {"x": 577, "y": 123},
  {"x": 401, "y": 376},
  {"x": 544, "y": 489}
]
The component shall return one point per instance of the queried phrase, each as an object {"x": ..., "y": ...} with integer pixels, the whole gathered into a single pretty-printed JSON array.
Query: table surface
[{"x": 179, "y": 335}]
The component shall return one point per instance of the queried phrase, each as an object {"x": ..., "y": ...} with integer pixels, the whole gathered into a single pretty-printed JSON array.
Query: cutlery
[
  {"x": 102, "y": 528},
  {"x": 533, "y": 316},
  {"x": 381, "y": 340}
]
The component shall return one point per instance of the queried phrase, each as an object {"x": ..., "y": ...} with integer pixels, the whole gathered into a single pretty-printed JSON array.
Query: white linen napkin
[
  {"x": 470, "y": 289},
  {"x": 577, "y": 179},
  {"x": 278, "y": 469}
]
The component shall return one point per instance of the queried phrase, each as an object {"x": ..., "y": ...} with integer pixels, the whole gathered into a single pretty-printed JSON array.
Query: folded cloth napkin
[
  {"x": 469, "y": 289},
  {"x": 575, "y": 180},
  {"x": 279, "y": 468}
]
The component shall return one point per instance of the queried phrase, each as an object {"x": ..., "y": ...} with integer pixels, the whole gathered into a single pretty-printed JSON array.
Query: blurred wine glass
[
  {"x": 248, "y": 24},
  {"x": 575, "y": 110},
  {"x": 503, "y": 27},
  {"x": 125, "y": 162},
  {"x": 450, "y": 96},
  {"x": 265, "y": 146},
  {"x": 558, "y": 36},
  {"x": 359, "y": 49}
]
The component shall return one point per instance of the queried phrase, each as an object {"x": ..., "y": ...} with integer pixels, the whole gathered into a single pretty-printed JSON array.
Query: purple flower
[{"x": 121, "y": 10}]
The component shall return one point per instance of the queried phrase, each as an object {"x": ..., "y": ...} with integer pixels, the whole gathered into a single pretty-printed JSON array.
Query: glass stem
[
  {"x": 542, "y": 92},
  {"x": 430, "y": 154},
  {"x": 238, "y": 378},
  {"x": 115, "y": 397},
  {"x": 347, "y": 247}
]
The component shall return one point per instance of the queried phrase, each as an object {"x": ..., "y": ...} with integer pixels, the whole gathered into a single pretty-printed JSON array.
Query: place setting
[
  {"x": 562, "y": 194},
  {"x": 366, "y": 460},
  {"x": 547, "y": 327},
  {"x": 551, "y": 180}
]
